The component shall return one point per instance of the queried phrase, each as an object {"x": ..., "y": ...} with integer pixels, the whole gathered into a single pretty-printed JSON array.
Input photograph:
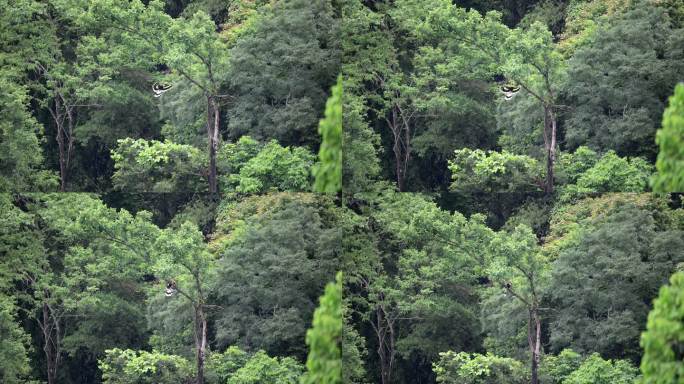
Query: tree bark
[
  {"x": 51, "y": 335},
  {"x": 549, "y": 146},
  {"x": 534, "y": 339},
  {"x": 384, "y": 330},
  {"x": 200, "y": 341},
  {"x": 402, "y": 150},
  {"x": 59, "y": 123},
  {"x": 65, "y": 137},
  {"x": 213, "y": 114}
]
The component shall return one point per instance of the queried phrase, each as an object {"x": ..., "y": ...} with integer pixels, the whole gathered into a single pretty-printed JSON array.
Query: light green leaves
[
  {"x": 262, "y": 369},
  {"x": 249, "y": 167},
  {"x": 182, "y": 256},
  {"x": 328, "y": 172},
  {"x": 466, "y": 368},
  {"x": 595, "y": 370},
  {"x": 670, "y": 163},
  {"x": 489, "y": 171},
  {"x": 588, "y": 174},
  {"x": 664, "y": 336},
  {"x": 154, "y": 166},
  {"x": 324, "y": 338},
  {"x": 142, "y": 367}
]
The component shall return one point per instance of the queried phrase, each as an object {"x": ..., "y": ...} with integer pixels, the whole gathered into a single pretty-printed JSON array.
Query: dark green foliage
[
  {"x": 528, "y": 127},
  {"x": 282, "y": 70},
  {"x": 20, "y": 139},
  {"x": 272, "y": 271},
  {"x": 620, "y": 80},
  {"x": 14, "y": 363},
  {"x": 360, "y": 165},
  {"x": 354, "y": 352},
  {"x": 423, "y": 279},
  {"x": 602, "y": 286}
]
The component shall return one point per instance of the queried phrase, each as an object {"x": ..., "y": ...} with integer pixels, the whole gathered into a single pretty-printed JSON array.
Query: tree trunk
[
  {"x": 213, "y": 114},
  {"x": 65, "y": 137},
  {"x": 534, "y": 339},
  {"x": 50, "y": 347},
  {"x": 200, "y": 341},
  {"x": 386, "y": 350},
  {"x": 407, "y": 153},
  {"x": 549, "y": 146},
  {"x": 59, "y": 123},
  {"x": 401, "y": 147}
]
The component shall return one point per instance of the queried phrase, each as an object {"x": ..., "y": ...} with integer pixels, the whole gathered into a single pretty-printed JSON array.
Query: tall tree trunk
[
  {"x": 213, "y": 114},
  {"x": 407, "y": 152},
  {"x": 549, "y": 146},
  {"x": 534, "y": 339},
  {"x": 61, "y": 144},
  {"x": 200, "y": 341},
  {"x": 65, "y": 137},
  {"x": 401, "y": 148},
  {"x": 384, "y": 330},
  {"x": 50, "y": 343}
]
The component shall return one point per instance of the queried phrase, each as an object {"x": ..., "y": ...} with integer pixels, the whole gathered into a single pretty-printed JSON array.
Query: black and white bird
[
  {"x": 509, "y": 91},
  {"x": 160, "y": 89},
  {"x": 170, "y": 288}
]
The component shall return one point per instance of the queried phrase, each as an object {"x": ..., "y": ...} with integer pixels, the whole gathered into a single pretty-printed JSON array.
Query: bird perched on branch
[
  {"x": 170, "y": 288},
  {"x": 160, "y": 89},
  {"x": 509, "y": 90}
]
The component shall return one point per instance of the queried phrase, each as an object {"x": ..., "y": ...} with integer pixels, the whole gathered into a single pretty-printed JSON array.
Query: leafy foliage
[
  {"x": 475, "y": 368},
  {"x": 596, "y": 370},
  {"x": 589, "y": 174},
  {"x": 14, "y": 363},
  {"x": 670, "y": 177},
  {"x": 272, "y": 271},
  {"x": 233, "y": 366},
  {"x": 328, "y": 172},
  {"x": 281, "y": 71},
  {"x": 618, "y": 80},
  {"x": 20, "y": 140},
  {"x": 249, "y": 167},
  {"x": 261, "y": 368},
  {"x": 477, "y": 170},
  {"x": 154, "y": 166},
  {"x": 128, "y": 367},
  {"x": 603, "y": 285},
  {"x": 557, "y": 367},
  {"x": 662, "y": 339},
  {"x": 324, "y": 362}
]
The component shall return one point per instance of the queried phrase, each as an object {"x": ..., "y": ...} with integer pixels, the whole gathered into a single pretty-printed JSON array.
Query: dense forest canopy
[
  {"x": 191, "y": 137},
  {"x": 341, "y": 191},
  {"x": 538, "y": 142}
]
